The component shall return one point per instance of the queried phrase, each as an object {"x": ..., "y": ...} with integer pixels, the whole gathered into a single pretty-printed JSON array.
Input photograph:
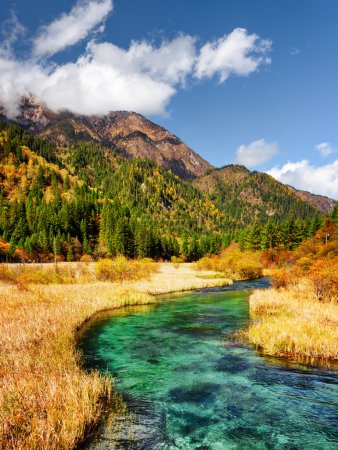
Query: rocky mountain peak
[{"x": 128, "y": 133}]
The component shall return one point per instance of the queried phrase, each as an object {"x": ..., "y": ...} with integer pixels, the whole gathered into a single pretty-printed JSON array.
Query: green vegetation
[
  {"x": 86, "y": 200},
  {"x": 63, "y": 203},
  {"x": 251, "y": 197}
]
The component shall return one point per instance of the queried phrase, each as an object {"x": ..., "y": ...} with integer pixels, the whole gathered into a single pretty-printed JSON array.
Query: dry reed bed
[
  {"x": 293, "y": 322},
  {"x": 46, "y": 400},
  {"x": 183, "y": 277}
]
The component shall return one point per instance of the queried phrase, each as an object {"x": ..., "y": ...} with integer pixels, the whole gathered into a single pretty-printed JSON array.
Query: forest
[{"x": 64, "y": 203}]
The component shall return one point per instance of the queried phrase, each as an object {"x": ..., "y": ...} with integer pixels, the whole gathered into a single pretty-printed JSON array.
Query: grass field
[
  {"x": 291, "y": 321},
  {"x": 46, "y": 400}
]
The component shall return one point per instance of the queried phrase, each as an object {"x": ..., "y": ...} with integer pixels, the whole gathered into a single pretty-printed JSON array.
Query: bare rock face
[{"x": 128, "y": 133}]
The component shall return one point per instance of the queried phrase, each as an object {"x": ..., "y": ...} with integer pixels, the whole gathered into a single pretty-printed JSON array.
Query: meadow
[
  {"x": 46, "y": 399},
  {"x": 292, "y": 322}
]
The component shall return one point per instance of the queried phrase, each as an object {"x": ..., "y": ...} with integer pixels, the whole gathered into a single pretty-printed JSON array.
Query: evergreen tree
[
  {"x": 268, "y": 236},
  {"x": 123, "y": 238}
]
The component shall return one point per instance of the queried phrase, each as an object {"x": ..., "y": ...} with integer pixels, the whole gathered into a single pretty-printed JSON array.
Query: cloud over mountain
[
  {"x": 302, "y": 175},
  {"x": 142, "y": 78},
  {"x": 256, "y": 153}
]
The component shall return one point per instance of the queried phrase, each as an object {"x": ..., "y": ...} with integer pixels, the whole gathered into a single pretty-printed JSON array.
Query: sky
[{"x": 252, "y": 82}]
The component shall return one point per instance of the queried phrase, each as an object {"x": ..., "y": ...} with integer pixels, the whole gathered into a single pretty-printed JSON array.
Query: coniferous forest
[{"x": 86, "y": 199}]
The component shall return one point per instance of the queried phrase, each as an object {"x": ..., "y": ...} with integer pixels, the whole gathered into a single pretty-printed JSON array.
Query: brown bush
[
  {"x": 304, "y": 263},
  {"x": 234, "y": 264},
  {"x": 282, "y": 278},
  {"x": 176, "y": 261},
  {"x": 86, "y": 259},
  {"x": 121, "y": 269},
  {"x": 324, "y": 276}
]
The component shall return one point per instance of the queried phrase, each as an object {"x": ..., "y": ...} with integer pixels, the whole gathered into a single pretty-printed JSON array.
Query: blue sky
[{"x": 245, "y": 81}]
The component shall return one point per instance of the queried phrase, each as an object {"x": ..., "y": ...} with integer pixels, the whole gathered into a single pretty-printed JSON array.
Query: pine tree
[
  {"x": 194, "y": 252},
  {"x": 142, "y": 241},
  {"x": 268, "y": 236},
  {"x": 123, "y": 238},
  {"x": 314, "y": 226},
  {"x": 185, "y": 248},
  {"x": 70, "y": 254}
]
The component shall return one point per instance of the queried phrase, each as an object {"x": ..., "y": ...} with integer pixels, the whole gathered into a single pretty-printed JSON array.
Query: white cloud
[
  {"x": 256, "y": 153},
  {"x": 302, "y": 175},
  {"x": 141, "y": 78},
  {"x": 237, "y": 53},
  {"x": 71, "y": 28},
  {"x": 325, "y": 148},
  {"x": 84, "y": 87},
  {"x": 93, "y": 87},
  {"x": 171, "y": 62},
  {"x": 11, "y": 31}
]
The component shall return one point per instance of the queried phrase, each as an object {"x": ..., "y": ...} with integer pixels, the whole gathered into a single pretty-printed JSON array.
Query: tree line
[{"x": 89, "y": 200}]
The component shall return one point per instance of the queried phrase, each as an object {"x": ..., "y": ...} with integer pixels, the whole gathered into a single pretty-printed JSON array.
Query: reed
[
  {"x": 171, "y": 278},
  {"x": 291, "y": 321},
  {"x": 47, "y": 401}
]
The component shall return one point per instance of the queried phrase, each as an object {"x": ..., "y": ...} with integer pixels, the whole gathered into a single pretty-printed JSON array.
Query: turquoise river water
[{"x": 188, "y": 385}]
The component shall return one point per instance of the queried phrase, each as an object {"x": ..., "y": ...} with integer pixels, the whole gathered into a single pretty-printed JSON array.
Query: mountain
[
  {"x": 322, "y": 203},
  {"x": 101, "y": 185},
  {"x": 127, "y": 133},
  {"x": 131, "y": 136},
  {"x": 87, "y": 199},
  {"x": 248, "y": 196}
]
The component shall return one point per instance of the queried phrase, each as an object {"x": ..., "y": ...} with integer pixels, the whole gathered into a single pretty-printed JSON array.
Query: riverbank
[
  {"x": 291, "y": 321},
  {"x": 46, "y": 399},
  {"x": 192, "y": 386}
]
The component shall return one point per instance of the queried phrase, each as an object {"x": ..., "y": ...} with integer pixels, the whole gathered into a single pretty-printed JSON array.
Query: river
[{"x": 188, "y": 385}]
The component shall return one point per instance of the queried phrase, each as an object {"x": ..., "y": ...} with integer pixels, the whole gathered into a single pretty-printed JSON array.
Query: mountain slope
[
  {"x": 322, "y": 203},
  {"x": 90, "y": 200},
  {"x": 128, "y": 133},
  {"x": 249, "y": 196}
]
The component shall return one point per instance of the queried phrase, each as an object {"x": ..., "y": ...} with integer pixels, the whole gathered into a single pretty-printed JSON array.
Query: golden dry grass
[
  {"x": 46, "y": 400},
  {"x": 184, "y": 277},
  {"x": 293, "y": 322}
]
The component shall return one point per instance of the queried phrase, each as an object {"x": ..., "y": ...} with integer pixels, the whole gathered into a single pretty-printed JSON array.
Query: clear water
[{"x": 189, "y": 386}]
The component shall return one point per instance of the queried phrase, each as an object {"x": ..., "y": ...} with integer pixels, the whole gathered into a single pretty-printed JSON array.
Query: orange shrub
[
  {"x": 234, "y": 264},
  {"x": 304, "y": 263},
  {"x": 324, "y": 276},
  {"x": 282, "y": 278},
  {"x": 86, "y": 258}
]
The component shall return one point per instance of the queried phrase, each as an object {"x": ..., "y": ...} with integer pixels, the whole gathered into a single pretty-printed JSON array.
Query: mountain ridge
[
  {"x": 236, "y": 174},
  {"x": 127, "y": 133},
  {"x": 86, "y": 199},
  {"x": 133, "y": 136}
]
